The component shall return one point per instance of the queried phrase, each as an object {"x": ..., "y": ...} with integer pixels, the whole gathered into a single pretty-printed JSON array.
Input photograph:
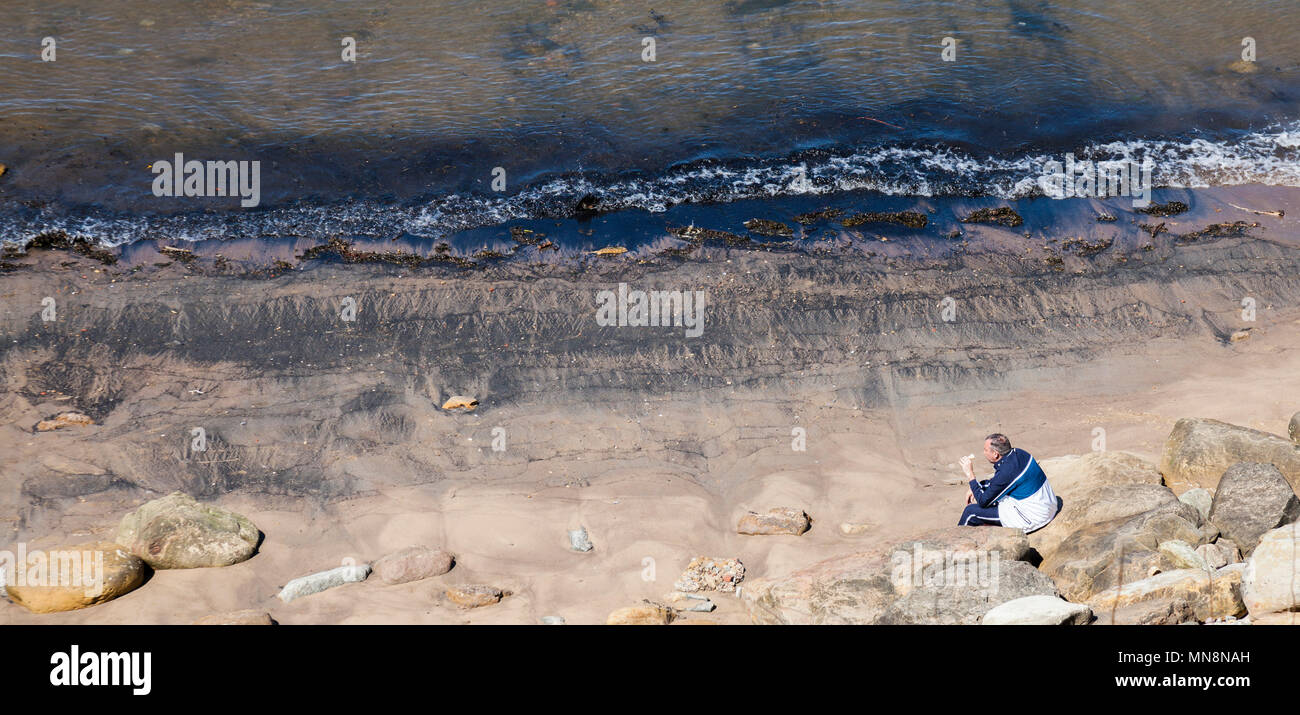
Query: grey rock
[
  {"x": 1293, "y": 429},
  {"x": 1200, "y": 498},
  {"x": 553, "y": 620},
  {"x": 578, "y": 539},
  {"x": 1182, "y": 555},
  {"x": 1038, "y": 611},
  {"x": 1252, "y": 499},
  {"x": 317, "y": 582}
]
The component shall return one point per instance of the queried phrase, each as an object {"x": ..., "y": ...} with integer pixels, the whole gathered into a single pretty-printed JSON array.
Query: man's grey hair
[{"x": 999, "y": 443}]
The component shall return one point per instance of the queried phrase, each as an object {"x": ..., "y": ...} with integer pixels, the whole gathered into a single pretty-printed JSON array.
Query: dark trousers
[{"x": 976, "y": 515}]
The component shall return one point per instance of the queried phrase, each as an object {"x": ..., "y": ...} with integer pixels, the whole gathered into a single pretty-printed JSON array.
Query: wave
[{"x": 1270, "y": 156}]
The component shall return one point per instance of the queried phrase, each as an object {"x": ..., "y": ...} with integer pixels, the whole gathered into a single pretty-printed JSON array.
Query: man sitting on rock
[{"x": 1017, "y": 495}]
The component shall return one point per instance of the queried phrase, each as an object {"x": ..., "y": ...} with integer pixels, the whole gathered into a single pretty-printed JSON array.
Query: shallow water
[{"x": 743, "y": 100}]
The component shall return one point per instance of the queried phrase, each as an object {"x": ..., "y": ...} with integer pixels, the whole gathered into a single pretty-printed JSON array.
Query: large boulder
[
  {"x": 1252, "y": 499},
  {"x": 1099, "y": 556},
  {"x": 1199, "y": 451},
  {"x": 177, "y": 532},
  {"x": 1038, "y": 611},
  {"x": 1271, "y": 582},
  {"x": 72, "y": 577},
  {"x": 952, "y": 575},
  {"x": 1098, "y": 487},
  {"x": 1211, "y": 594}
]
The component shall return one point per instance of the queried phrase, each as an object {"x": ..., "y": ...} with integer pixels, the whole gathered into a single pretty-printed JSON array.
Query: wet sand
[{"x": 329, "y": 434}]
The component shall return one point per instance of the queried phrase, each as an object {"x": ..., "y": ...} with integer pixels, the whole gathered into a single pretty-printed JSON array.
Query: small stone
[
  {"x": 711, "y": 574},
  {"x": 413, "y": 564},
  {"x": 249, "y": 617},
  {"x": 460, "y": 402},
  {"x": 1239, "y": 336},
  {"x": 705, "y": 606},
  {"x": 64, "y": 419},
  {"x": 849, "y": 529},
  {"x": 578, "y": 539},
  {"x": 1182, "y": 556},
  {"x": 648, "y": 615},
  {"x": 1213, "y": 555},
  {"x": 610, "y": 251},
  {"x": 474, "y": 595},
  {"x": 1038, "y": 610},
  {"x": 1293, "y": 429},
  {"x": 552, "y": 620},
  {"x": 781, "y": 520}
]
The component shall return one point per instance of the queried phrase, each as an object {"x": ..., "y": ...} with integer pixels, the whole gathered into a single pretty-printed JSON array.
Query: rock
[
  {"x": 1152, "y": 612},
  {"x": 1213, "y": 555},
  {"x": 1293, "y": 429},
  {"x": 250, "y": 617},
  {"x": 849, "y": 529},
  {"x": 952, "y": 575},
  {"x": 1210, "y": 594},
  {"x": 413, "y": 564},
  {"x": 781, "y": 520},
  {"x": 72, "y": 577},
  {"x": 64, "y": 465},
  {"x": 64, "y": 419},
  {"x": 1243, "y": 67},
  {"x": 1098, "y": 487},
  {"x": 552, "y": 620},
  {"x": 317, "y": 582},
  {"x": 1276, "y": 619},
  {"x": 610, "y": 251},
  {"x": 1272, "y": 573},
  {"x": 1200, "y": 498},
  {"x": 1181, "y": 555},
  {"x": 1252, "y": 499},
  {"x": 705, "y": 573},
  {"x": 1239, "y": 335},
  {"x": 1229, "y": 549},
  {"x": 177, "y": 532},
  {"x": 578, "y": 539},
  {"x": 1199, "y": 451},
  {"x": 474, "y": 595},
  {"x": 1004, "y": 215},
  {"x": 460, "y": 402},
  {"x": 705, "y": 606},
  {"x": 648, "y": 615},
  {"x": 1098, "y": 556},
  {"x": 1038, "y": 611}
]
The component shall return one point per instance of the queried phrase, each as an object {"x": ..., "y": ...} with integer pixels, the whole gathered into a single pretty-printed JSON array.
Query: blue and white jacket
[{"x": 1020, "y": 490}]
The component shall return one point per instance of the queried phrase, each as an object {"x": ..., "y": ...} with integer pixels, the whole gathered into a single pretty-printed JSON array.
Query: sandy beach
[{"x": 329, "y": 434}]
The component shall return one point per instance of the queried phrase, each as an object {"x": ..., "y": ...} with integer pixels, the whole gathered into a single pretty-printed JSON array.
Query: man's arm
[{"x": 1006, "y": 471}]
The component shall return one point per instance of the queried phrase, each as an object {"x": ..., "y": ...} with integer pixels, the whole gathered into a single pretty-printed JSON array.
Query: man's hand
[
  {"x": 970, "y": 497},
  {"x": 967, "y": 467}
]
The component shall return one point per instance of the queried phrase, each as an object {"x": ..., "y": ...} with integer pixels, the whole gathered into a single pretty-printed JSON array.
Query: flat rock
[
  {"x": 413, "y": 564},
  {"x": 474, "y": 595},
  {"x": 1210, "y": 594},
  {"x": 781, "y": 520},
  {"x": 1271, "y": 582},
  {"x": 1098, "y": 556},
  {"x": 1152, "y": 612},
  {"x": 249, "y": 617},
  {"x": 1038, "y": 611},
  {"x": 648, "y": 615},
  {"x": 1251, "y": 499},
  {"x": 84, "y": 575},
  {"x": 59, "y": 485},
  {"x": 177, "y": 532},
  {"x": 1182, "y": 555},
  {"x": 323, "y": 580},
  {"x": 952, "y": 575},
  {"x": 1098, "y": 487},
  {"x": 460, "y": 402},
  {"x": 1198, "y": 452}
]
